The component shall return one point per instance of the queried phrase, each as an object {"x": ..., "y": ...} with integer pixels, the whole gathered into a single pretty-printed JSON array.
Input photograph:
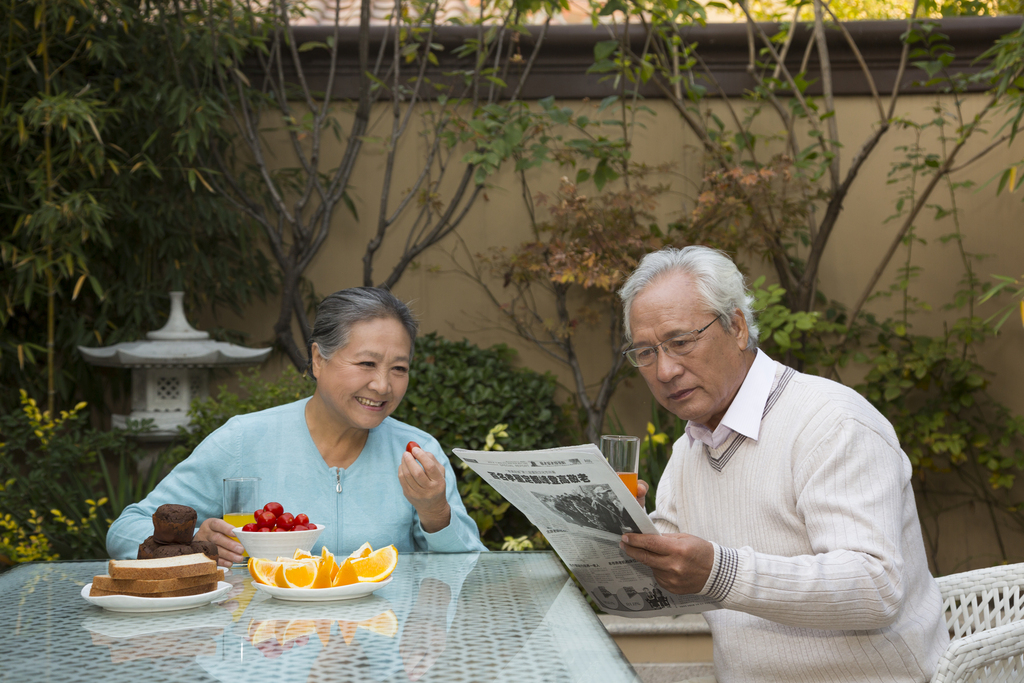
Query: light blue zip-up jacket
[{"x": 358, "y": 504}]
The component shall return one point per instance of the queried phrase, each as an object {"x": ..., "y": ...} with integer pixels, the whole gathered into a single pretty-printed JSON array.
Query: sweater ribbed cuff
[{"x": 723, "y": 573}]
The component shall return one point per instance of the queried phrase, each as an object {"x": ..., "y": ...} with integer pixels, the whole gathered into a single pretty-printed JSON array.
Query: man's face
[{"x": 700, "y": 385}]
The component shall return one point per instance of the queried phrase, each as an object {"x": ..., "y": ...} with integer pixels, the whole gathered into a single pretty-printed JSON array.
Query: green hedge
[{"x": 458, "y": 392}]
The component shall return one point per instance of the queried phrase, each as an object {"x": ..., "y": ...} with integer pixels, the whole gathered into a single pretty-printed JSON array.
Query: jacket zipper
[{"x": 337, "y": 509}]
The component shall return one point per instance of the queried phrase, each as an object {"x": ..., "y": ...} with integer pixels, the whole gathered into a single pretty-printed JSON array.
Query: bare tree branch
[
  {"x": 860, "y": 60},
  {"x": 825, "y": 64}
]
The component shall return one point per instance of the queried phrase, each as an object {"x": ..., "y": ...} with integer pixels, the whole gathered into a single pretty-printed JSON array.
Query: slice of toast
[
  {"x": 179, "y": 567},
  {"x": 148, "y": 586},
  {"x": 190, "y": 590}
]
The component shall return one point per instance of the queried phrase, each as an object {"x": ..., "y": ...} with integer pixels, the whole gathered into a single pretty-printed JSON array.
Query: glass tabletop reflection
[{"x": 465, "y": 617}]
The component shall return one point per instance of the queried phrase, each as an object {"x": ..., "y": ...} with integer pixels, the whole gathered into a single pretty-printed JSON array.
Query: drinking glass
[
  {"x": 623, "y": 454},
  {"x": 241, "y": 500}
]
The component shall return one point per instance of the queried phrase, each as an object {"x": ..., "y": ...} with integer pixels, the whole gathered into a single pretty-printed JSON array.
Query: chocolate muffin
[
  {"x": 208, "y": 548},
  {"x": 150, "y": 549},
  {"x": 173, "y": 525}
]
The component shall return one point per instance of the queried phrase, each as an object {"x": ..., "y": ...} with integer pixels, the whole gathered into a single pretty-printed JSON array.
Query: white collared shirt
[{"x": 745, "y": 411}]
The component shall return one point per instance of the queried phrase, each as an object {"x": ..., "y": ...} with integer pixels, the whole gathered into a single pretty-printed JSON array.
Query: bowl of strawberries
[{"x": 274, "y": 533}]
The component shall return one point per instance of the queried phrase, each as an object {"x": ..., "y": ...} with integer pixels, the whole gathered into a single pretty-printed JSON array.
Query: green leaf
[
  {"x": 613, "y": 6},
  {"x": 1003, "y": 180},
  {"x": 603, "y": 174},
  {"x": 96, "y": 287},
  {"x": 604, "y": 49}
]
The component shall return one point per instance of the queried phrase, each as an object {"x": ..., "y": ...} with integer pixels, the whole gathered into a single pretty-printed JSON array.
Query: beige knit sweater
[{"x": 819, "y": 562}]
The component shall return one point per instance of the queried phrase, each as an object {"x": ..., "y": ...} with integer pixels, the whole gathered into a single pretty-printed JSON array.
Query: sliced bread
[
  {"x": 179, "y": 567},
  {"x": 190, "y": 590},
  {"x": 147, "y": 586}
]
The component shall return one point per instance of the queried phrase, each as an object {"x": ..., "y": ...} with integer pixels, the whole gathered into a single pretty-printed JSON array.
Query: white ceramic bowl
[{"x": 274, "y": 544}]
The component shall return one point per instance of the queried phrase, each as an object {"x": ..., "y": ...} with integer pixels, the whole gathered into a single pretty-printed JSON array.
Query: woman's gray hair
[
  {"x": 338, "y": 313},
  {"x": 719, "y": 284}
]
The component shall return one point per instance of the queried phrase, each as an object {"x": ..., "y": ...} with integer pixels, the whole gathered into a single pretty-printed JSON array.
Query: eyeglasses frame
[{"x": 661, "y": 345}]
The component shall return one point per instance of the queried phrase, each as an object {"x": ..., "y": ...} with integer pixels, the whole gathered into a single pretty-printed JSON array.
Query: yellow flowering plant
[
  {"x": 53, "y": 488},
  {"x": 23, "y": 540},
  {"x": 498, "y": 431}
]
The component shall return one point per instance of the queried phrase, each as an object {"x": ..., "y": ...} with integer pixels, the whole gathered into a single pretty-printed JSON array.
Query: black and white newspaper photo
[{"x": 576, "y": 500}]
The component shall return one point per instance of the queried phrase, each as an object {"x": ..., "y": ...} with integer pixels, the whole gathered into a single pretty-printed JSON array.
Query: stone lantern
[{"x": 170, "y": 368}]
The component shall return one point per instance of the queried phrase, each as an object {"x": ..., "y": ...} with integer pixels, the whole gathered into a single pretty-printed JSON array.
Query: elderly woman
[{"x": 335, "y": 456}]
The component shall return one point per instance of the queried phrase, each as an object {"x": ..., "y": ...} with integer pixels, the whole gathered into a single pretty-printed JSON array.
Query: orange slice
[
  {"x": 376, "y": 566},
  {"x": 278, "y": 578},
  {"x": 363, "y": 551},
  {"x": 300, "y": 574},
  {"x": 325, "y": 569},
  {"x": 262, "y": 571},
  {"x": 346, "y": 574},
  {"x": 385, "y": 623},
  {"x": 301, "y": 554}
]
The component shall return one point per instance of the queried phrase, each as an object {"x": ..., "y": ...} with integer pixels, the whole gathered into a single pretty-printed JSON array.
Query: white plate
[
  {"x": 349, "y": 592},
  {"x": 130, "y": 603}
]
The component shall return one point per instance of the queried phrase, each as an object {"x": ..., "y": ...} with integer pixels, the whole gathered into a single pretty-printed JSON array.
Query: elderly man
[{"x": 788, "y": 500}]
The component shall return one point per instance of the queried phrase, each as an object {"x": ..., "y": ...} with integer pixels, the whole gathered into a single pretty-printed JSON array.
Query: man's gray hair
[
  {"x": 719, "y": 284},
  {"x": 338, "y": 313}
]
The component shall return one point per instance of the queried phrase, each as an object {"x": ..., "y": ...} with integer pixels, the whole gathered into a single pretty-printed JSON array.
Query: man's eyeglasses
[{"x": 643, "y": 356}]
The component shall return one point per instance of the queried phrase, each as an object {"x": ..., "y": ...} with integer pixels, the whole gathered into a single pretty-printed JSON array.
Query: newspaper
[{"x": 582, "y": 507}]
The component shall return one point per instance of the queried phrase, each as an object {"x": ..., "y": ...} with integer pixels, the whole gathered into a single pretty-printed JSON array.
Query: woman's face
[{"x": 364, "y": 381}]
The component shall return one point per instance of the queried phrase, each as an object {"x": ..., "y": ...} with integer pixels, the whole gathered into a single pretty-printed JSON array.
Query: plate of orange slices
[{"x": 308, "y": 578}]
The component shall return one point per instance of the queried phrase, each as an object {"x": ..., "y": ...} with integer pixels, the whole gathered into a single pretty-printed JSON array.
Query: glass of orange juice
[
  {"x": 241, "y": 500},
  {"x": 623, "y": 454}
]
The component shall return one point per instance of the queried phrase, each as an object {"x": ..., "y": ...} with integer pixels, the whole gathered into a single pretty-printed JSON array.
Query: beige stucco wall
[{"x": 452, "y": 305}]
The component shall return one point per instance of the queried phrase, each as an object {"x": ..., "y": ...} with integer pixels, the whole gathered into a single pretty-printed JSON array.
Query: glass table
[{"x": 455, "y": 618}]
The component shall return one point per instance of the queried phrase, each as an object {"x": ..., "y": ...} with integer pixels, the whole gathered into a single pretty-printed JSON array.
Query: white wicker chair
[{"x": 985, "y": 615}]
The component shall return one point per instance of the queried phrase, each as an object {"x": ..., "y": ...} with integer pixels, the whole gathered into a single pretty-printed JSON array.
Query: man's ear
[{"x": 740, "y": 330}]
